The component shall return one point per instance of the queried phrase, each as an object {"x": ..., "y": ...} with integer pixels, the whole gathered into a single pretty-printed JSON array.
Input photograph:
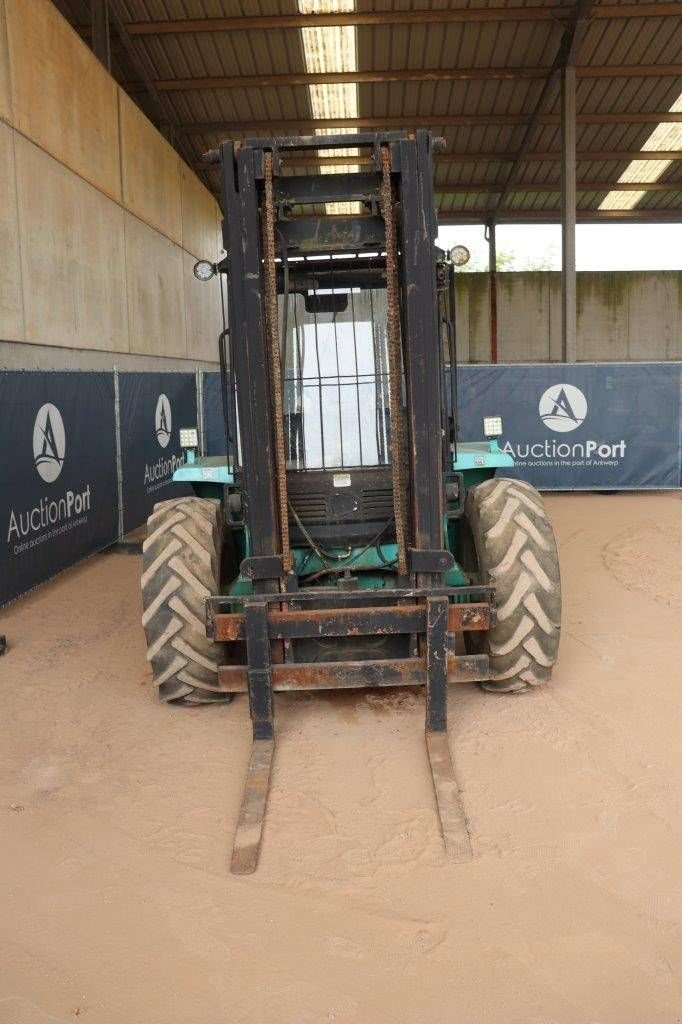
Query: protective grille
[{"x": 335, "y": 363}]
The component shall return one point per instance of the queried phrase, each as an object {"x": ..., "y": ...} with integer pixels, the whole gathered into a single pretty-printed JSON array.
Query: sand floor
[{"x": 117, "y": 814}]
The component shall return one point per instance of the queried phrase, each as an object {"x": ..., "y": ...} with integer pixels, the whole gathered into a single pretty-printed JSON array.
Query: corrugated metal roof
[{"x": 531, "y": 45}]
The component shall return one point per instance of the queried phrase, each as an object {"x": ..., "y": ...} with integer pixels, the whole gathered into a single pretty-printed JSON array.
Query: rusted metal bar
[
  {"x": 381, "y": 621},
  {"x": 450, "y": 808},
  {"x": 398, "y": 432},
  {"x": 249, "y": 834},
  {"x": 272, "y": 329},
  {"x": 436, "y": 663},
  {"x": 453, "y": 821},
  {"x": 317, "y": 594},
  {"x": 349, "y": 675}
]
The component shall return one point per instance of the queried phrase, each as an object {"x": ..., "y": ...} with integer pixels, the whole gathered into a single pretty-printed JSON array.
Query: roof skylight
[
  {"x": 667, "y": 135},
  {"x": 330, "y": 48}
]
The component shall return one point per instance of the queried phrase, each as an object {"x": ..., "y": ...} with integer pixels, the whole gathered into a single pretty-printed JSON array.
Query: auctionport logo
[
  {"x": 49, "y": 442},
  {"x": 53, "y": 514},
  {"x": 163, "y": 421},
  {"x": 159, "y": 473},
  {"x": 563, "y": 407}
]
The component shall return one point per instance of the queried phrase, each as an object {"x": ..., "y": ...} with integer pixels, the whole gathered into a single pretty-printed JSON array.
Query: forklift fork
[{"x": 436, "y": 614}]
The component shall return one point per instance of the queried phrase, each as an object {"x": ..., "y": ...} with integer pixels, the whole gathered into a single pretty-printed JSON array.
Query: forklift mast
[{"x": 280, "y": 239}]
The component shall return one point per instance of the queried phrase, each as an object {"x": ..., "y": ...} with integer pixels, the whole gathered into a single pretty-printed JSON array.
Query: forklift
[{"x": 347, "y": 538}]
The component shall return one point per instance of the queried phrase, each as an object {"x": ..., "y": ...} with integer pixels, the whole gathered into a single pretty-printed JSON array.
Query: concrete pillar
[{"x": 568, "y": 203}]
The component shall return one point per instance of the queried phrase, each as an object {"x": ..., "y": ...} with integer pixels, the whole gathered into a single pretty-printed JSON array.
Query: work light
[
  {"x": 459, "y": 254},
  {"x": 189, "y": 437},
  {"x": 492, "y": 426},
  {"x": 204, "y": 270}
]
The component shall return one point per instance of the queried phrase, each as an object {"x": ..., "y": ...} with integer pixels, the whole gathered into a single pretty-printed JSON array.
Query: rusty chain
[
  {"x": 272, "y": 328},
  {"x": 398, "y": 435}
]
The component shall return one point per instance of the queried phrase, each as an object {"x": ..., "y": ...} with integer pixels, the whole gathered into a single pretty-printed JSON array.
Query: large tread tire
[
  {"x": 180, "y": 568},
  {"x": 516, "y": 553}
]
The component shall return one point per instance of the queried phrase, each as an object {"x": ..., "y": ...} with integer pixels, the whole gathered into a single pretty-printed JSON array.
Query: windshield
[{"x": 335, "y": 368}]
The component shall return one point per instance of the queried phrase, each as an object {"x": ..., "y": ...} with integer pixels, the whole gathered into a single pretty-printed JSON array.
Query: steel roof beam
[
  {"x": 379, "y": 18},
  {"x": 404, "y": 75},
  {"x": 596, "y": 156},
  {"x": 418, "y": 121},
  {"x": 662, "y": 216},
  {"x": 581, "y": 186}
]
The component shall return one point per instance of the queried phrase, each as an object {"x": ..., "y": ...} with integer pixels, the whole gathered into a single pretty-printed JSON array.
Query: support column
[
  {"x": 569, "y": 348},
  {"x": 492, "y": 269},
  {"x": 99, "y": 28}
]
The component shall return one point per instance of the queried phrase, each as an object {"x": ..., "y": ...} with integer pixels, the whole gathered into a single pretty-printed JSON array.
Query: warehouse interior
[
  {"x": 118, "y": 811},
  {"x": 550, "y": 113}
]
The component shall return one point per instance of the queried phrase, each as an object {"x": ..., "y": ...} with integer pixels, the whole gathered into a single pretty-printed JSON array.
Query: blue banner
[
  {"x": 214, "y": 417},
  {"x": 605, "y": 426},
  {"x": 153, "y": 408},
  {"x": 585, "y": 426},
  {"x": 58, "y": 497}
]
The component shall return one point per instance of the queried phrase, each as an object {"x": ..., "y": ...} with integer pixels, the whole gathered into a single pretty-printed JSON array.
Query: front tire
[
  {"x": 180, "y": 568},
  {"x": 511, "y": 541}
]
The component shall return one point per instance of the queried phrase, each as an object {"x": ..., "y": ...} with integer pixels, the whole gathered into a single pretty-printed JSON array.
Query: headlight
[
  {"x": 204, "y": 270},
  {"x": 492, "y": 426},
  {"x": 189, "y": 437},
  {"x": 460, "y": 255}
]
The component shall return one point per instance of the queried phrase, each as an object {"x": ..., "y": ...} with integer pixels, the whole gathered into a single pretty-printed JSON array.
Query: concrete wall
[
  {"x": 100, "y": 219},
  {"x": 624, "y": 315}
]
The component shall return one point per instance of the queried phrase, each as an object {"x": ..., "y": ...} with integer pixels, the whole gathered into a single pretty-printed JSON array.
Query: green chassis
[{"x": 476, "y": 461}]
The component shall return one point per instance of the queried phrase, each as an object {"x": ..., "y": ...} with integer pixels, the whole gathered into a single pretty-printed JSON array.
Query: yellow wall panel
[
  {"x": 150, "y": 170},
  {"x": 72, "y": 252},
  {"x": 62, "y": 97},
  {"x": 156, "y": 307},
  {"x": 200, "y": 218},
  {"x": 202, "y": 313},
  {"x": 11, "y": 306},
  {"x": 5, "y": 101}
]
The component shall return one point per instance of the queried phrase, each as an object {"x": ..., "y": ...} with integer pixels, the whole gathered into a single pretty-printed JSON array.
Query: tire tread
[
  {"x": 517, "y": 554},
  {"x": 180, "y": 568}
]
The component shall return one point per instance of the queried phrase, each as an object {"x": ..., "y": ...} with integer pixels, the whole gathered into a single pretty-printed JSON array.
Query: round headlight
[
  {"x": 204, "y": 270},
  {"x": 460, "y": 255}
]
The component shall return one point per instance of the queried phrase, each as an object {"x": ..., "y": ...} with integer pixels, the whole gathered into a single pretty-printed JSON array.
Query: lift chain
[
  {"x": 272, "y": 328},
  {"x": 397, "y": 431}
]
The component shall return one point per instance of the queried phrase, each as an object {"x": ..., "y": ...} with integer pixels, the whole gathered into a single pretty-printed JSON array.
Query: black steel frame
[{"x": 412, "y": 173}]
